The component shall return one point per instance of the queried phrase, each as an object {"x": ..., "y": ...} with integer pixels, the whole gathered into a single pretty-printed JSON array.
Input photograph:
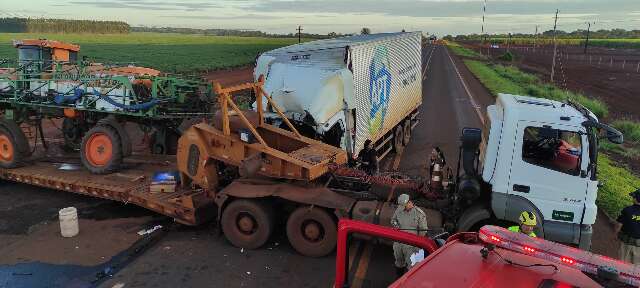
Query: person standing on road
[
  {"x": 368, "y": 158},
  {"x": 408, "y": 218},
  {"x": 528, "y": 223},
  {"x": 628, "y": 230}
]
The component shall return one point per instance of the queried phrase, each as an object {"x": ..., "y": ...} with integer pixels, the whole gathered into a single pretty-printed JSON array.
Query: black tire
[
  {"x": 73, "y": 131},
  {"x": 398, "y": 138},
  {"x": 13, "y": 142},
  {"x": 112, "y": 163},
  {"x": 248, "y": 223},
  {"x": 406, "y": 130},
  {"x": 312, "y": 231},
  {"x": 171, "y": 143}
]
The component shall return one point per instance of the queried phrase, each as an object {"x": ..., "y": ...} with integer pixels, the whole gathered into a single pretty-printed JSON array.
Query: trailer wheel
[
  {"x": 247, "y": 223},
  {"x": 398, "y": 138},
  {"x": 14, "y": 146},
  {"x": 406, "y": 127},
  {"x": 312, "y": 231},
  {"x": 101, "y": 150}
]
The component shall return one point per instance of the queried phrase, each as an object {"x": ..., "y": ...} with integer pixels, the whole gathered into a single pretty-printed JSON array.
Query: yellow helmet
[{"x": 528, "y": 218}]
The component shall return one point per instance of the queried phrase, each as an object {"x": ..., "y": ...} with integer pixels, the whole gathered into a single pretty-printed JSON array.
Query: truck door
[{"x": 546, "y": 170}]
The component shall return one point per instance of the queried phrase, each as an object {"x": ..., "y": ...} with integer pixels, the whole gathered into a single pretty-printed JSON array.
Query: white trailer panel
[{"x": 376, "y": 76}]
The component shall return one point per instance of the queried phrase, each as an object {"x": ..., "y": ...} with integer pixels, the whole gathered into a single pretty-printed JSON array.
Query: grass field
[
  {"x": 163, "y": 51},
  {"x": 461, "y": 51},
  {"x": 617, "y": 181},
  {"x": 608, "y": 43}
]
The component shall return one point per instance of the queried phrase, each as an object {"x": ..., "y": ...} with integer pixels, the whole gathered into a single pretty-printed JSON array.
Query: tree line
[
  {"x": 577, "y": 34},
  {"x": 232, "y": 32},
  {"x": 43, "y": 25}
]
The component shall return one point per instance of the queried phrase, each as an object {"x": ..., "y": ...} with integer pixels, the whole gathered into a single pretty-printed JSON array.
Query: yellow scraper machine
[{"x": 243, "y": 139}]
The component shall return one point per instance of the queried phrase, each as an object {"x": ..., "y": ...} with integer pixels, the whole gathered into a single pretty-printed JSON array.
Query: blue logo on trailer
[{"x": 379, "y": 88}]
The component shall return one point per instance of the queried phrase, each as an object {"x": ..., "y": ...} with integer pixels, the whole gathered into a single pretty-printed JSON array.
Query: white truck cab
[{"x": 538, "y": 155}]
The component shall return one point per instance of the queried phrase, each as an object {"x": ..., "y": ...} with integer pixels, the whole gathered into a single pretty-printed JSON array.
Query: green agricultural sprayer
[{"x": 93, "y": 101}]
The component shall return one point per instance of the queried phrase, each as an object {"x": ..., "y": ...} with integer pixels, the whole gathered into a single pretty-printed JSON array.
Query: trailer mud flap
[{"x": 252, "y": 188}]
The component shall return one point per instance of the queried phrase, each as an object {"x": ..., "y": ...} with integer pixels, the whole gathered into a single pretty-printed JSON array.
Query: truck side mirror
[{"x": 613, "y": 135}]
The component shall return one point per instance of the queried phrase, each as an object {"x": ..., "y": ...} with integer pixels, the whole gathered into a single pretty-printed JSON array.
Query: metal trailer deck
[{"x": 130, "y": 186}]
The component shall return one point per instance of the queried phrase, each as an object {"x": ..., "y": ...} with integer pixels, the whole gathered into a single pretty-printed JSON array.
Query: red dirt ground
[
  {"x": 612, "y": 75},
  {"x": 231, "y": 77}
]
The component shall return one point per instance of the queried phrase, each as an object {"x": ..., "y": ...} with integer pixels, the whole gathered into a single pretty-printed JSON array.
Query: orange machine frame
[{"x": 277, "y": 153}]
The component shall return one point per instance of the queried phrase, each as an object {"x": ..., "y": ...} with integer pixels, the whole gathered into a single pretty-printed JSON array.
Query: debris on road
[
  {"x": 69, "y": 222},
  {"x": 149, "y": 231}
]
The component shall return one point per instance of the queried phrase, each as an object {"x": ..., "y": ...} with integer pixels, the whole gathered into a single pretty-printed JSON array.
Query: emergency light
[{"x": 585, "y": 261}]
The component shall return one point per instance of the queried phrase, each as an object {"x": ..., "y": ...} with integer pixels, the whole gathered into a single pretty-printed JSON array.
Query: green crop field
[
  {"x": 608, "y": 43},
  {"x": 163, "y": 51}
]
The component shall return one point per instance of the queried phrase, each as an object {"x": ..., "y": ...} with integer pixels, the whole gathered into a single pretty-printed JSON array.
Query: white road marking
[
  {"x": 474, "y": 104},
  {"x": 426, "y": 67}
]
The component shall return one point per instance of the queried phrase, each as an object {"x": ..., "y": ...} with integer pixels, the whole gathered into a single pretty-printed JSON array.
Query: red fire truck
[{"x": 493, "y": 257}]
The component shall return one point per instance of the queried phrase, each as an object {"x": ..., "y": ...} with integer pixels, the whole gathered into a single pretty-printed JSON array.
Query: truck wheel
[
  {"x": 247, "y": 223},
  {"x": 101, "y": 150},
  {"x": 312, "y": 231},
  {"x": 14, "y": 147},
  {"x": 406, "y": 127},
  {"x": 398, "y": 138}
]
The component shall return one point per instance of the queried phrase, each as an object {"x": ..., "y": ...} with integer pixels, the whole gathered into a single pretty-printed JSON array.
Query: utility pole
[
  {"x": 299, "y": 33},
  {"x": 555, "y": 46},
  {"x": 586, "y": 42},
  {"x": 484, "y": 10},
  {"x": 535, "y": 39}
]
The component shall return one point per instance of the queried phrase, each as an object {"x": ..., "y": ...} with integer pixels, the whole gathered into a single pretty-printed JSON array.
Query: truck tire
[
  {"x": 101, "y": 151},
  {"x": 398, "y": 138},
  {"x": 247, "y": 223},
  {"x": 312, "y": 231},
  {"x": 406, "y": 130},
  {"x": 14, "y": 147}
]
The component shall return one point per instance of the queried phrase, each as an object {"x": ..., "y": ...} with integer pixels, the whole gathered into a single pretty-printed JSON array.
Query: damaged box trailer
[{"x": 347, "y": 90}]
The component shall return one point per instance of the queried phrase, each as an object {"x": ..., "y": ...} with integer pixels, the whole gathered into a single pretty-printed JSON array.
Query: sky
[{"x": 439, "y": 17}]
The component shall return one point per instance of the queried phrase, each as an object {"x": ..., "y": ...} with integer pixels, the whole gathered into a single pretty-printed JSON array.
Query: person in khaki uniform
[
  {"x": 629, "y": 230},
  {"x": 408, "y": 218}
]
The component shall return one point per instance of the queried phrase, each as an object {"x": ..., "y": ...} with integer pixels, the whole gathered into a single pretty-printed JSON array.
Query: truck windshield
[
  {"x": 561, "y": 154},
  {"x": 28, "y": 53}
]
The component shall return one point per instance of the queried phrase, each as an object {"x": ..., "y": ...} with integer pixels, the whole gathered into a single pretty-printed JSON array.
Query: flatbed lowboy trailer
[{"x": 130, "y": 186}]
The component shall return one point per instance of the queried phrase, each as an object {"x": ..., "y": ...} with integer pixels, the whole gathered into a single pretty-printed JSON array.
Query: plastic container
[{"x": 69, "y": 222}]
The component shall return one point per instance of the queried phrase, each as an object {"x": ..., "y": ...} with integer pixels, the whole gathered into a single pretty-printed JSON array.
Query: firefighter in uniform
[
  {"x": 408, "y": 218},
  {"x": 528, "y": 223},
  {"x": 629, "y": 230}
]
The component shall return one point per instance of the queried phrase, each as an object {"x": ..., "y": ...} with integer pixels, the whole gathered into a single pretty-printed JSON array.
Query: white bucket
[{"x": 69, "y": 222}]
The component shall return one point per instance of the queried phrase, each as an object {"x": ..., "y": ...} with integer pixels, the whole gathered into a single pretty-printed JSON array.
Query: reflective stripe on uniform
[{"x": 517, "y": 230}]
